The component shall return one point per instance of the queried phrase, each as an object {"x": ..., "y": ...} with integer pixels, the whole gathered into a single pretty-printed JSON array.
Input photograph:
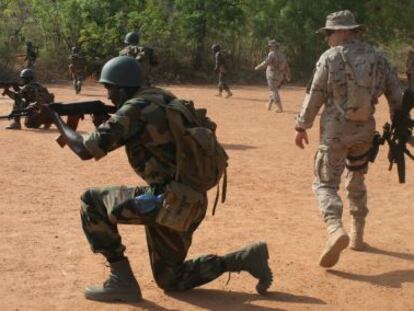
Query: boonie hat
[
  {"x": 342, "y": 20},
  {"x": 272, "y": 43}
]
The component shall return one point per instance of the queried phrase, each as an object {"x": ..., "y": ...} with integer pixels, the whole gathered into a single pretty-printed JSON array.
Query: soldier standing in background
[
  {"x": 348, "y": 79},
  {"x": 32, "y": 52},
  {"x": 30, "y": 96},
  {"x": 277, "y": 71},
  {"x": 221, "y": 69},
  {"x": 77, "y": 68},
  {"x": 145, "y": 55},
  {"x": 410, "y": 69}
]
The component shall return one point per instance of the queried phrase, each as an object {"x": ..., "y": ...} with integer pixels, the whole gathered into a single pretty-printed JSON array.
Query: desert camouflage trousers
[
  {"x": 330, "y": 162},
  {"x": 103, "y": 208},
  {"x": 274, "y": 85}
]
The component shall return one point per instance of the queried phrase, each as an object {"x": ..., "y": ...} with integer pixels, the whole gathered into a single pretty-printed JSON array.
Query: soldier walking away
[
  {"x": 31, "y": 96},
  {"x": 221, "y": 68},
  {"x": 410, "y": 69},
  {"x": 32, "y": 52},
  {"x": 77, "y": 68},
  {"x": 140, "y": 124},
  {"x": 277, "y": 72},
  {"x": 145, "y": 55},
  {"x": 348, "y": 79}
]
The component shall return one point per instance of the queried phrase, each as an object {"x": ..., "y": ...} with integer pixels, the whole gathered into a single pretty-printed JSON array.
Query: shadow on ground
[{"x": 212, "y": 299}]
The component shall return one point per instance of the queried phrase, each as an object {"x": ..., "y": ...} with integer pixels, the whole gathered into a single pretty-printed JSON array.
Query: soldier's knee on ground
[{"x": 167, "y": 280}]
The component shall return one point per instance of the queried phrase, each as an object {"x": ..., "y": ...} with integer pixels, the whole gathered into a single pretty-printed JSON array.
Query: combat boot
[
  {"x": 269, "y": 104},
  {"x": 253, "y": 259},
  {"x": 357, "y": 235},
  {"x": 120, "y": 286},
  {"x": 229, "y": 94},
  {"x": 279, "y": 107},
  {"x": 15, "y": 125},
  {"x": 338, "y": 240}
]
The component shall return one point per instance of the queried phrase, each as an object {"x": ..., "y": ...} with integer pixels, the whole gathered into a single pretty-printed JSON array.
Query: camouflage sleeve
[
  {"x": 316, "y": 96},
  {"x": 116, "y": 131},
  {"x": 392, "y": 88}
]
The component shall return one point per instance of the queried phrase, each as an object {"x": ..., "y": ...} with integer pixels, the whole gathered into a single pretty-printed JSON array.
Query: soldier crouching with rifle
[
  {"x": 141, "y": 125},
  {"x": 29, "y": 98}
]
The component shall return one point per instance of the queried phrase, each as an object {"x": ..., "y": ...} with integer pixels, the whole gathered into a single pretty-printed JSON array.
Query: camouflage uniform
[
  {"x": 31, "y": 55},
  {"x": 221, "y": 69},
  {"x": 410, "y": 70},
  {"x": 343, "y": 143},
  {"x": 140, "y": 126},
  {"x": 277, "y": 71},
  {"x": 77, "y": 66},
  {"x": 146, "y": 58},
  {"x": 32, "y": 95}
]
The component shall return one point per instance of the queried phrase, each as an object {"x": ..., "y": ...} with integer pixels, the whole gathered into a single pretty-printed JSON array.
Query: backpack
[
  {"x": 201, "y": 160},
  {"x": 361, "y": 70}
]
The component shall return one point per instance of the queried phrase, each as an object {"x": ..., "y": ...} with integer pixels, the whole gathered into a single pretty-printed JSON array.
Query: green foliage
[{"x": 182, "y": 31}]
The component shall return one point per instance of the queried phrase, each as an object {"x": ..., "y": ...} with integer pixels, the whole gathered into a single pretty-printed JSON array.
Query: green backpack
[{"x": 201, "y": 160}]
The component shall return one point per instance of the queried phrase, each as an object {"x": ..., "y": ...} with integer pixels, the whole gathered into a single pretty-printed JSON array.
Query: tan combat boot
[
  {"x": 15, "y": 125},
  {"x": 253, "y": 259},
  {"x": 357, "y": 235},
  {"x": 269, "y": 104},
  {"x": 279, "y": 107},
  {"x": 338, "y": 240},
  {"x": 120, "y": 286}
]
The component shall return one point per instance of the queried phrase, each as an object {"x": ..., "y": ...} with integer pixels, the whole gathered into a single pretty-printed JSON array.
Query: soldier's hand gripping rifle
[
  {"x": 397, "y": 135},
  {"x": 74, "y": 112}
]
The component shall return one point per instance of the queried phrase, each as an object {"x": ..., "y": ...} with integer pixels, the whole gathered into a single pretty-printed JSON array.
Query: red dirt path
[{"x": 45, "y": 261}]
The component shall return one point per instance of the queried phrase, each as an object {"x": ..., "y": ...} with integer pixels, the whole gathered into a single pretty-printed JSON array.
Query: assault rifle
[
  {"x": 397, "y": 134},
  {"x": 74, "y": 111},
  {"x": 7, "y": 84}
]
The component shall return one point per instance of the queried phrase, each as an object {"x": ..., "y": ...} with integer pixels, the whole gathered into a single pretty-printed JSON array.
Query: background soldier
[
  {"x": 410, "y": 69},
  {"x": 221, "y": 68},
  {"x": 77, "y": 68},
  {"x": 348, "y": 79},
  {"x": 145, "y": 55},
  {"x": 32, "y": 52},
  {"x": 277, "y": 71},
  {"x": 140, "y": 126},
  {"x": 30, "y": 96}
]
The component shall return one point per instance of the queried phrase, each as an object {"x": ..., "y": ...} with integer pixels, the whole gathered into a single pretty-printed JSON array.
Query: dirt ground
[{"x": 45, "y": 261}]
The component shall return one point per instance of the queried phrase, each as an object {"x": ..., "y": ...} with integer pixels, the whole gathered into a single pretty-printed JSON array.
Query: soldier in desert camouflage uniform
[
  {"x": 348, "y": 79},
  {"x": 410, "y": 69},
  {"x": 30, "y": 96},
  {"x": 77, "y": 68},
  {"x": 277, "y": 71},
  {"x": 221, "y": 68},
  {"x": 145, "y": 55},
  {"x": 141, "y": 126}
]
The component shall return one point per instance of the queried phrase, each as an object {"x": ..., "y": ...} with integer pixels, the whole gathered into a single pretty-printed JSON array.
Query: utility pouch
[{"x": 182, "y": 206}]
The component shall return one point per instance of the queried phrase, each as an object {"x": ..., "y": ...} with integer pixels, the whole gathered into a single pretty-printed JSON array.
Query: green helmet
[
  {"x": 26, "y": 74},
  {"x": 75, "y": 50},
  {"x": 132, "y": 38},
  {"x": 122, "y": 71}
]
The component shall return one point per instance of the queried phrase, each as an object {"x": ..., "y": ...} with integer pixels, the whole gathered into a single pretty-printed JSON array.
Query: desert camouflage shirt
[
  {"x": 329, "y": 88},
  {"x": 141, "y": 126},
  {"x": 276, "y": 65}
]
